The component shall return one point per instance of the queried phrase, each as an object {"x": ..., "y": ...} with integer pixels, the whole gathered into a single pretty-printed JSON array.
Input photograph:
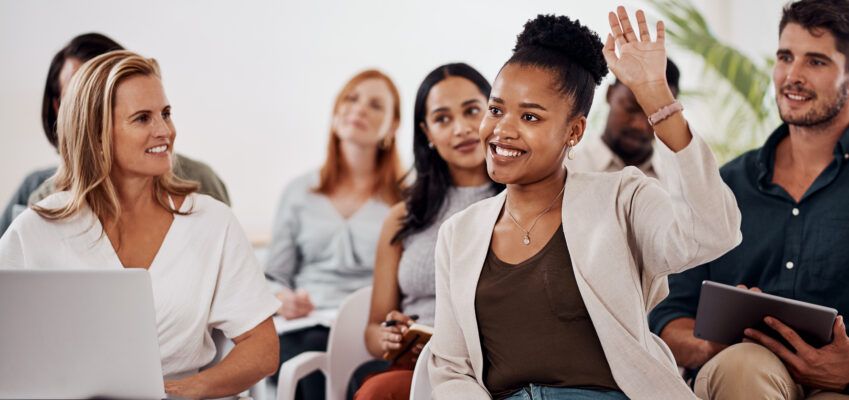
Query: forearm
[
  {"x": 252, "y": 359},
  {"x": 672, "y": 131},
  {"x": 686, "y": 348}
]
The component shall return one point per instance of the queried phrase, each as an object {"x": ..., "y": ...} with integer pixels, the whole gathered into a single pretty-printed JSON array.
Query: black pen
[{"x": 393, "y": 322}]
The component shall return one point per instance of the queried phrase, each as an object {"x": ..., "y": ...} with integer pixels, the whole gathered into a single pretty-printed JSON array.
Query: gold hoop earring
[{"x": 570, "y": 153}]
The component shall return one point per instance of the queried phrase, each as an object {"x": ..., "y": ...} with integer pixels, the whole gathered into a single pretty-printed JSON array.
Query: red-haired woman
[{"x": 328, "y": 221}]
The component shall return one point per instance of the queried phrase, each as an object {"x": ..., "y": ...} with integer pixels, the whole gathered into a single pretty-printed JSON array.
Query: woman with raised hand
[
  {"x": 543, "y": 290},
  {"x": 450, "y": 176},
  {"x": 328, "y": 221},
  {"x": 119, "y": 205}
]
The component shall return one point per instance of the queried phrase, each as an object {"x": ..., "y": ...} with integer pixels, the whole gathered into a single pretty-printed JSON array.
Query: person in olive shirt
[
  {"x": 793, "y": 194},
  {"x": 36, "y": 185}
]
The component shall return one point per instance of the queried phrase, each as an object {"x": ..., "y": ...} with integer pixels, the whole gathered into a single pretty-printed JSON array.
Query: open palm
[{"x": 640, "y": 60}]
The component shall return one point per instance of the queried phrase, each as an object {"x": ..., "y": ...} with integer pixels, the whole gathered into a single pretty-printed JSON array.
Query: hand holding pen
[{"x": 393, "y": 329}]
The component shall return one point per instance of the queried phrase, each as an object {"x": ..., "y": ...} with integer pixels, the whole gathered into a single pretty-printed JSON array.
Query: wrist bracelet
[{"x": 665, "y": 112}]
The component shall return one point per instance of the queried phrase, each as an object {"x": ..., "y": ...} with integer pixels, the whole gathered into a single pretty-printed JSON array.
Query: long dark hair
[
  {"x": 425, "y": 197},
  {"x": 83, "y": 47}
]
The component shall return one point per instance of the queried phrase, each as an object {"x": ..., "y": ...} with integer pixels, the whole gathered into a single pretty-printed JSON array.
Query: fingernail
[
  {"x": 747, "y": 332},
  {"x": 768, "y": 320}
]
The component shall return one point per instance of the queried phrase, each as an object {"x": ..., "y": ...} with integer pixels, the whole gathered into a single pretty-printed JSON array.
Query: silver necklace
[{"x": 526, "y": 238}]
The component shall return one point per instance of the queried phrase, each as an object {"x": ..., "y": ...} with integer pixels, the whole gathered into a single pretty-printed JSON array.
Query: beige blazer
[{"x": 626, "y": 233}]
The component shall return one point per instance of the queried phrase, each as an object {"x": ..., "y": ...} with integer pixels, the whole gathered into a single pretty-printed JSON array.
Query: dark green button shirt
[{"x": 795, "y": 250}]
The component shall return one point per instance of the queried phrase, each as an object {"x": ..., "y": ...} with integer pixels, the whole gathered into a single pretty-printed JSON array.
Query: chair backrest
[
  {"x": 346, "y": 347},
  {"x": 420, "y": 388}
]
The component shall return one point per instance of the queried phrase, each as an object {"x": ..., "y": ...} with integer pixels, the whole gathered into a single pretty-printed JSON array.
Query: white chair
[
  {"x": 420, "y": 388},
  {"x": 346, "y": 350}
]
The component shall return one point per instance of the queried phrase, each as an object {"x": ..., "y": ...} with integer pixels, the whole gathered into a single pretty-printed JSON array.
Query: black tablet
[{"x": 725, "y": 311}]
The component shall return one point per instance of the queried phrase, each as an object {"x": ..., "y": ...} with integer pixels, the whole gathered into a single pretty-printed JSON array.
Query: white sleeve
[
  {"x": 12, "y": 248},
  {"x": 242, "y": 298}
]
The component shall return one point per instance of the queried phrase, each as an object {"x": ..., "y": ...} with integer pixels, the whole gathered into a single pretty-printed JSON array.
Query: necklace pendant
[{"x": 526, "y": 240}]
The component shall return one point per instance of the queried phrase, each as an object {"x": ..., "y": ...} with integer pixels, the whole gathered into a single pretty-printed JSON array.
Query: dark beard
[
  {"x": 822, "y": 116},
  {"x": 628, "y": 155}
]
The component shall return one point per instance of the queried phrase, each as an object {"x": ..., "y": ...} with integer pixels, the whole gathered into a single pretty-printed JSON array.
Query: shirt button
[
  {"x": 846, "y": 156},
  {"x": 795, "y": 212},
  {"x": 789, "y": 265}
]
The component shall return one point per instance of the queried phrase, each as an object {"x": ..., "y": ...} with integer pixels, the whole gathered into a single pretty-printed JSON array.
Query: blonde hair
[
  {"x": 84, "y": 127},
  {"x": 387, "y": 186}
]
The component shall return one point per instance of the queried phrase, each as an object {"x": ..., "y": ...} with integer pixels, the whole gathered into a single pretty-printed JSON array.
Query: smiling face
[
  {"x": 142, "y": 129},
  {"x": 810, "y": 76},
  {"x": 454, "y": 109},
  {"x": 364, "y": 114},
  {"x": 528, "y": 126}
]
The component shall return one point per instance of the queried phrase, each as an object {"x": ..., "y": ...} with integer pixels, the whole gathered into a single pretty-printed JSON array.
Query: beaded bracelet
[{"x": 665, "y": 112}]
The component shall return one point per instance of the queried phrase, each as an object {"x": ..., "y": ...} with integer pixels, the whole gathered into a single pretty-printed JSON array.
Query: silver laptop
[{"x": 78, "y": 334}]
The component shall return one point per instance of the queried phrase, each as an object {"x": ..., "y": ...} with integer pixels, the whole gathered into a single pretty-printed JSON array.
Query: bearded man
[{"x": 793, "y": 194}]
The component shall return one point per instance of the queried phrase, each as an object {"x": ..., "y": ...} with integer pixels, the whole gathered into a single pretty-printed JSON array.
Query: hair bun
[{"x": 569, "y": 38}]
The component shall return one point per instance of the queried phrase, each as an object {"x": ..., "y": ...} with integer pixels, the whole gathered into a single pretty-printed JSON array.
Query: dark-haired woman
[
  {"x": 543, "y": 291},
  {"x": 450, "y": 175}
]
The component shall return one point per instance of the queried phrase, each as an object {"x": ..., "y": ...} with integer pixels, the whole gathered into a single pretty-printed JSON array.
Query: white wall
[{"x": 252, "y": 83}]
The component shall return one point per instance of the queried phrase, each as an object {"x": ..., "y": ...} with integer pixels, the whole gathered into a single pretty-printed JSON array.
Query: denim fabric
[{"x": 535, "y": 392}]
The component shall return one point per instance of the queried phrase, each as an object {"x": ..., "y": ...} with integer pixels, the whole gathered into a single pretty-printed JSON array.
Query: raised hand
[
  {"x": 641, "y": 66},
  {"x": 641, "y": 61}
]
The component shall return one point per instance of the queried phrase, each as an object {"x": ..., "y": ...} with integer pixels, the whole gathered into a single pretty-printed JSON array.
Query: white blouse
[{"x": 204, "y": 276}]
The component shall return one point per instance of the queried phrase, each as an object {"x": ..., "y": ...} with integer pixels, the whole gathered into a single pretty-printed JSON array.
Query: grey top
[
  {"x": 313, "y": 247},
  {"x": 416, "y": 272},
  {"x": 18, "y": 203}
]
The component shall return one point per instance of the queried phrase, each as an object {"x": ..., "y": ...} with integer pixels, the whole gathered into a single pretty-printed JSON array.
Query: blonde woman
[
  {"x": 120, "y": 206},
  {"x": 328, "y": 221}
]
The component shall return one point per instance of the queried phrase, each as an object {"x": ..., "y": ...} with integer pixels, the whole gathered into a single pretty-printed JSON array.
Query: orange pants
[{"x": 389, "y": 385}]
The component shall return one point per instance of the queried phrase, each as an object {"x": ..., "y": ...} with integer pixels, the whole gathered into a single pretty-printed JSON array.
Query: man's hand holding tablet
[{"x": 826, "y": 367}]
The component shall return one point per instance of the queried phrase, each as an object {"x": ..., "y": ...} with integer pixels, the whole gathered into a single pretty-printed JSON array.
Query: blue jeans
[{"x": 536, "y": 392}]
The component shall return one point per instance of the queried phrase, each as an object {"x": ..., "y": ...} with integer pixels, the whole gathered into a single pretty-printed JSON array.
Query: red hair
[{"x": 387, "y": 186}]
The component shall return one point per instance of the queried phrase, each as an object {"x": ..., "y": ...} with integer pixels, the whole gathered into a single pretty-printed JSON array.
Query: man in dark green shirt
[{"x": 793, "y": 194}]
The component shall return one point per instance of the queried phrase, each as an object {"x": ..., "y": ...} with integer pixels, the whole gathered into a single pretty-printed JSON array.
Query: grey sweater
[
  {"x": 313, "y": 247},
  {"x": 416, "y": 268}
]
